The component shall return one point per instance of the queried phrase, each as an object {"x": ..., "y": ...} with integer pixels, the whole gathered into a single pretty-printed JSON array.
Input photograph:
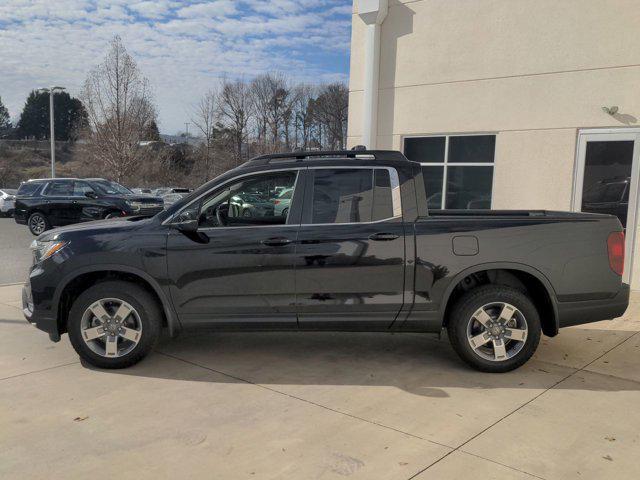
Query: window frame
[
  {"x": 447, "y": 164},
  {"x": 225, "y": 185},
  {"x": 396, "y": 200}
]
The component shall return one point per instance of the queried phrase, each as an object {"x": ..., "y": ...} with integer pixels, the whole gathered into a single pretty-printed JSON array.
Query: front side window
[
  {"x": 351, "y": 195},
  {"x": 80, "y": 189},
  {"x": 457, "y": 169},
  {"x": 107, "y": 187},
  {"x": 59, "y": 189},
  {"x": 250, "y": 201}
]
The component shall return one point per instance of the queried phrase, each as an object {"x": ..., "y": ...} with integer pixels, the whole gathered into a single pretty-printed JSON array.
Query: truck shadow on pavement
[{"x": 419, "y": 364}]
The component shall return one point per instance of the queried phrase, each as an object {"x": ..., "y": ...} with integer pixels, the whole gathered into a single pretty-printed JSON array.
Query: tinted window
[
  {"x": 433, "y": 185},
  {"x": 472, "y": 149},
  {"x": 427, "y": 149},
  {"x": 382, "y": 196},
  {"x": 342, "y": 196},
  {"x": 29, "y": 188},
  {"x": 81, "y": 188},
  {"x": 469, "y": 188},
  {"x": 250, "y": 201},
  {"x": 59, "y": 189}
]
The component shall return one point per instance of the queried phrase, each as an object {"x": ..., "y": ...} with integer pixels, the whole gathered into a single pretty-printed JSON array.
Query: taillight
[
  {"x": 615, "y": 247},
  {"x": 276, "y": 202}
]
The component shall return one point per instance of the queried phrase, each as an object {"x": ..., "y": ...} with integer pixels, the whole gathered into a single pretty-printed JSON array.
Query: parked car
[
  {"x": 142, "y": 190},
  {"x": 7, "y": 201},
  {"x": 159, "y": 192},
  {"x": 171, "y": 198},
  {"x": 250, "y": 205},
  {"x": 46, "y": 203},
  {"x": 282, "y": 202},
  {"x": 359, "y": 250}
]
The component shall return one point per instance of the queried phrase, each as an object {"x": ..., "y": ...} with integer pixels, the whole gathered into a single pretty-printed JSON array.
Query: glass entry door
[{"x": 606, "y": 180}]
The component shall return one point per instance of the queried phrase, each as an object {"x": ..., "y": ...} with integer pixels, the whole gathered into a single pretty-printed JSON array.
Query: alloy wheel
[
  {"x": 111, "y": 327},
  {"x": 37, "y": 224},
  {"x": 497, "y": 331}
]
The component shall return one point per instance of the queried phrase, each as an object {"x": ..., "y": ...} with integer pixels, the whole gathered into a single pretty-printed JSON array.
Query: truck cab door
[
  {"x": 237, "y": 269},
  {"x": 350, "y": 260}
]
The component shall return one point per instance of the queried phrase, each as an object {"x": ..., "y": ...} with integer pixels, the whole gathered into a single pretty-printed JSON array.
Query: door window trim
[{"x": 396, "y": 196}]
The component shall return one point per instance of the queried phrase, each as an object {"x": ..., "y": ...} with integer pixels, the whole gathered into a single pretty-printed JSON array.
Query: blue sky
[{"x": 183, "y": 47}]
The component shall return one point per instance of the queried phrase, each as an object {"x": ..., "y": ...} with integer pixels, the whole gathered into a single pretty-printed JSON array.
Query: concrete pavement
[{"x": 320, "y": 405}]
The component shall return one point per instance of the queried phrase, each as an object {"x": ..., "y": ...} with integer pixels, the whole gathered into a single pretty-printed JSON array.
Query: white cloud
[{"x": 183, "y": 47}]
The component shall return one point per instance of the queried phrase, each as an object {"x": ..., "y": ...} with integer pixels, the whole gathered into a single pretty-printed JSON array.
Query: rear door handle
[
  {"x": 276, "y": 242},
  {"x": 383, "y": 237}
]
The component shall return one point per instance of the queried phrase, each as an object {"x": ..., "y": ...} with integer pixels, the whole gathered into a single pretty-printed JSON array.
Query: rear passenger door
[
  {"x": 351, "y": 250},
  {"x": 58, "y": 202}
]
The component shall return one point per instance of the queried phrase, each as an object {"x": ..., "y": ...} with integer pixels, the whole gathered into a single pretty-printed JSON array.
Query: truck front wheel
[
  {"x": 494, "y": 328},
  {"x": 114, "y": 324}
]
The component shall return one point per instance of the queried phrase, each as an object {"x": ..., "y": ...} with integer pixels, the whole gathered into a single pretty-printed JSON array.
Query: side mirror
[{"x": 187, "y": 226}]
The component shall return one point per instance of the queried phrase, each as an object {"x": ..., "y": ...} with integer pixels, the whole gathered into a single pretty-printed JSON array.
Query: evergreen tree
[
  {"x": 5, "y": 121},
  {"x": 69, "y": 116},
  {"x": 151, "y": 132}
]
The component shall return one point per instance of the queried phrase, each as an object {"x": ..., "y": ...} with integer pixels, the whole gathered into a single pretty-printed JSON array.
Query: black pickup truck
[
  {"x": 355, "y": 250},
  {"x": 42, "y": 204}
]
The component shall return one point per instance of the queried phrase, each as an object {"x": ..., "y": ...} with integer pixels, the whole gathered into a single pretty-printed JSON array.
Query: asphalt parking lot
[{"x": 317, "y": 406}]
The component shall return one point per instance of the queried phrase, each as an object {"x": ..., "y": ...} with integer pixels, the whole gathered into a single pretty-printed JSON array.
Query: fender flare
[
  {"x": 501, "y": 266},
  {"x": 173, "y": 323}
]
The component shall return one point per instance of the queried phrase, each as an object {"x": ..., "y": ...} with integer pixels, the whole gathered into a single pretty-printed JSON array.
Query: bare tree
[
  {"x": 205, "y": 118},
  {"x": 120, "y": 108},
  {"x": 331, "y": 109},
  {"x": 236, "y": 109},
  {"x": 303, "y": 112}
]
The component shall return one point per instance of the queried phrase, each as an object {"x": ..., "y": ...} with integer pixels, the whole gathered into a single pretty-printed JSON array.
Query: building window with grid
[{"x": 457, "y": 169}]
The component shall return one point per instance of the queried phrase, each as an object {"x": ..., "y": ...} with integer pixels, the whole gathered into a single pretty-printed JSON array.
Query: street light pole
[{"x": 52, "y": 91}]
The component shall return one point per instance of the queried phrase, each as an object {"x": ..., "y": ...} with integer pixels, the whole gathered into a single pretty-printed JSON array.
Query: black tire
[
  {"x": 35, "y": 221},
  {"x": 146, "y": 306},
  {"x": 285, "y": 212},
  {"x": 462, "y": 315}
]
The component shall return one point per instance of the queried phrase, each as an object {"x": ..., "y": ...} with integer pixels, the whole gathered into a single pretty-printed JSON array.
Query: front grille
[{"x": 149, "y": 211}]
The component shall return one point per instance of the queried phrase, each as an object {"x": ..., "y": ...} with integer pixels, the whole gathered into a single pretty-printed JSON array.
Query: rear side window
[
  {"x": 28, "y": 189},
  {"x": 59, "y": 189},
  {"x": 351, "y": 196}
]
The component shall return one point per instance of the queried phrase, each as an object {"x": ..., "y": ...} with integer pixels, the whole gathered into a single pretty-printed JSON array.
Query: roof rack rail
[{"x": 300, "y": 156}]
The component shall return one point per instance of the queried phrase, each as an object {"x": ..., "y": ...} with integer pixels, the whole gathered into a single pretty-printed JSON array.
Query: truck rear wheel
[
  {"x": 114, "y": 324},
  {"x": 494, "y": 328}
]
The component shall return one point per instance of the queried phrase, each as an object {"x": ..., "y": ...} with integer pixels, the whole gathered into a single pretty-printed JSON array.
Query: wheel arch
[
  {"x": 534, "y": 282},
  {"x": 78, "y": 281}
]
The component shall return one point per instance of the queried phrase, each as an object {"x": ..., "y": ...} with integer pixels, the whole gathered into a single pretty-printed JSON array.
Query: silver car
[{"x": 7, "y": 201}]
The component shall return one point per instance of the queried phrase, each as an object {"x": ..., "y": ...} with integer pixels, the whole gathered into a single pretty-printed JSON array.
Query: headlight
[
  {"x": 135, "y": 206},
  {"x": 43, "y": 250}
]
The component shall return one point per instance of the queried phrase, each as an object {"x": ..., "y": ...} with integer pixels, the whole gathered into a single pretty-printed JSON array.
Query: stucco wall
[{"x": 531, "y": 71}]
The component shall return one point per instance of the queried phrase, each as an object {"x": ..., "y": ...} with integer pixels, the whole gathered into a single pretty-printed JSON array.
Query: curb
[{"x": 10, "y": 284}]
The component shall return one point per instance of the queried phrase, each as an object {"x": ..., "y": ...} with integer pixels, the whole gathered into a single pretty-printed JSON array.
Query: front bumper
[
  {"x": 578, "y": 313},
  {"x": 41, "y": 321}
]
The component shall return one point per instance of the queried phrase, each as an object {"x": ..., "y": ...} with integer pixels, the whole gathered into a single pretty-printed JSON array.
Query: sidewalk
[{"x": 320, "y": 405}]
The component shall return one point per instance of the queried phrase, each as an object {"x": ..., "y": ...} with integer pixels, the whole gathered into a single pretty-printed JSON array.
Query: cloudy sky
[{"x": 183, "y": 46}]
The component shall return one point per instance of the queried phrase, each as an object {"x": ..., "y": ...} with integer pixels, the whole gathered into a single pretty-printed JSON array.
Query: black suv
[{"x": 47, "y": 203}]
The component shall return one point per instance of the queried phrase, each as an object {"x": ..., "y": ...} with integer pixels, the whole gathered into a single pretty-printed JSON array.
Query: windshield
[{"x": 110, "y": 188}]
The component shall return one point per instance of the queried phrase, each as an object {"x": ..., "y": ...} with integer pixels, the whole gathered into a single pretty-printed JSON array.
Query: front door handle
[
  {"x": 383, "y": 237},
  {"x": 276, "y": 242}
]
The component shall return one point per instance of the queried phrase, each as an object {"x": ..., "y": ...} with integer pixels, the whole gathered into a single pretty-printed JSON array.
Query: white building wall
[{"x": 531, "y": 71}]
